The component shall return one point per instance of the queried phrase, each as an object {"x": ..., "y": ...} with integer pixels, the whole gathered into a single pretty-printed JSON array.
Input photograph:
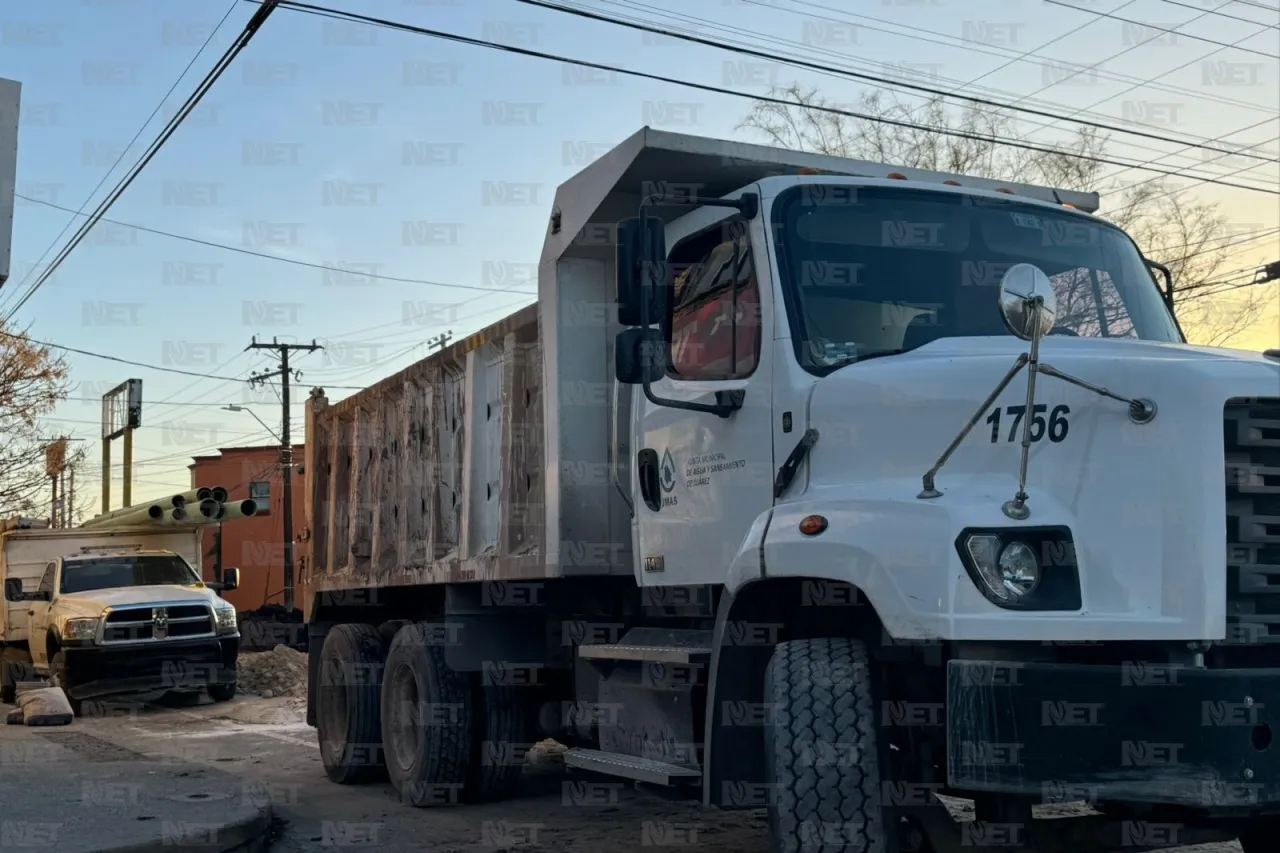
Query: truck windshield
[
  {"x": 871, "y": 271},
  {"x": 113, "y": 572}
]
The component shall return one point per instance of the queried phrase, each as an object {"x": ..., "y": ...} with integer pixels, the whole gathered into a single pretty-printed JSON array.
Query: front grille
[
  {"x": 158, "y": 623},
  {"x": 1251, "y": 431}
]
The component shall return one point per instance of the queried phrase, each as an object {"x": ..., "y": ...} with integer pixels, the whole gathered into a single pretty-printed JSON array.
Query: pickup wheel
[
  {"x": 348, "y": 716},
  {"x": 1260, "y": 835},
  {"x": 222, "y": 692},
  {"x": 498, "y": 723},
  {"x": 426, "y": 721},
  {"x": 821, "y": 749},
  {"x": 58, "y": 671}
]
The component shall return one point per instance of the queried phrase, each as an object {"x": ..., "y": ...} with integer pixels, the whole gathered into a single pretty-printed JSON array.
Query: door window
[{"x": 715, "y": 324}]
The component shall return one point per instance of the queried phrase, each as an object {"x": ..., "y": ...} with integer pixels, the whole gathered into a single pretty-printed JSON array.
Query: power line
[
  {"x": 351, "y": 16},
  {"x": 959, "y": 84},
  {"x": 1216, "y": 13},
  {"x": 1150, "y": 80},
  {"x": 1164, "y": 30},
  {"x": 126, "y": 149},
  {"x": 250, "y": 30},
  {"x": 746, "y": 51},
  {"x": 1265, "y": 8},
  {"x": 970, "y": 48},
  {"x": 269, "y": 257},
  {"x": 143, "y": 364}
]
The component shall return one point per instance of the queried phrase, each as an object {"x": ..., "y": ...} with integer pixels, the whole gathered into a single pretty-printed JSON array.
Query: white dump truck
[
  {"x": 113, "y": 612},
  {"x": 821, "y": 486}
]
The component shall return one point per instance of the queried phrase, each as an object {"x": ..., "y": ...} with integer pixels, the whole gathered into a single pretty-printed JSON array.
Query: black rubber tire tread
[
  {"x": 58, "y": 676},
  {"x": 440, "y": 758},
  {"x": 352, "y": 753},
  {"x": 223, "y": 692},
  {"x": 1260, "y": 836},
  {"x": 499, "y": 719},
  {"x": 183, "y": 700},
  {"x": 821, "y": 749}
]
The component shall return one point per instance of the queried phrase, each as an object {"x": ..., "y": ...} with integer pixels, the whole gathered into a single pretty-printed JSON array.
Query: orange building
[{"x": 254, "y": 545}]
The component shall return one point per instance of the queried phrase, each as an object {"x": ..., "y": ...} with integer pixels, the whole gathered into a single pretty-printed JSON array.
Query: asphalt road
[{"x": 263, "y": 742}]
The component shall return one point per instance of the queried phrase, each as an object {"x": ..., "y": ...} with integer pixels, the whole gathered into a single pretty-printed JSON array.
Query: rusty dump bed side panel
[{"x": 435, "y": 474}]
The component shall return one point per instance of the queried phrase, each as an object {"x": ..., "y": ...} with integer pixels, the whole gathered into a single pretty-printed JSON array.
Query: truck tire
[
  {"x": 224, "y": 692},
  {"x": 1260, "y": 836},
  {"x": 348, "y": 696},
  {"x": 498, "y": 726},
  {"x": 58, "y": 675},
  {"x": 427, "y": 759},
  {"x": 824, "y": 715}
]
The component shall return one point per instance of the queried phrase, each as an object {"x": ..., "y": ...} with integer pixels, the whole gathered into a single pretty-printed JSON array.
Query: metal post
[
  {"x": 127, "y": 488},
  {"x": 71, "y": 497},
  {"x": 106, "y": 475},
  {"x": 217, "y": 553},
  {"x": 53, "y": 503}
]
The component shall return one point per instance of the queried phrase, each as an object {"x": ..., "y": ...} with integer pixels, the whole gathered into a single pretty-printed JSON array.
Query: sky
[{"x": 390, "y": 154}]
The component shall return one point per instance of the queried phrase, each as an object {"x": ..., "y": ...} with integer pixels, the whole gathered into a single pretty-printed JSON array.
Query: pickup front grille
[
  {"x": 1251, "y": 433},
  {"x": 157, "y": 623}
]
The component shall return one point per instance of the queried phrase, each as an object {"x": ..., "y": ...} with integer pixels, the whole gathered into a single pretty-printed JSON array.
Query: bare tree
[
  {"x": 1171, "y": 227},
  {"x": 32, "y": 381}
]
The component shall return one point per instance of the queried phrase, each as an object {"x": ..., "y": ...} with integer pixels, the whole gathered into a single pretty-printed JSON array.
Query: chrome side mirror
[{"x": 1024, "y": 288}]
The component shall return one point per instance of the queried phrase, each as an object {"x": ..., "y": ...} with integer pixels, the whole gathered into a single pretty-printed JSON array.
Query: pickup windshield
[
  {"x": 871, "y": 271},
  {"x": 114, "y": 572}
]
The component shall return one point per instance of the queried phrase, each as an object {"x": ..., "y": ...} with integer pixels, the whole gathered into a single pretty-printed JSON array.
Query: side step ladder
[{"x": 648, "y": 674}]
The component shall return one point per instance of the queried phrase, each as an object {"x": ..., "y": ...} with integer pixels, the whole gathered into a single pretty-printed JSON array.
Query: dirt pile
[{"x": 279, "y": 672}]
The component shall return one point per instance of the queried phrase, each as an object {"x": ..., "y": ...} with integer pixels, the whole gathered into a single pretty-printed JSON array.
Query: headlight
[
  {"x": 1023, "y": 568},
  {"x": 80, "y": 630},
  {"x": 226, "y": 617}
]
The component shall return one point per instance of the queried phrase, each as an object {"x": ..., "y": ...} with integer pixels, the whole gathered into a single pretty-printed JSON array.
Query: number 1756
[{"x": 1055, "y": 426}]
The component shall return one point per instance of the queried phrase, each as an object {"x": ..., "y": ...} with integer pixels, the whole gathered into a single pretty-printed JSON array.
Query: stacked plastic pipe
[{"x": 195, "y": 508}]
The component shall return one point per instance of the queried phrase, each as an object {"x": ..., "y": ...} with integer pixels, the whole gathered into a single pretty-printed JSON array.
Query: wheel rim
[{"x": 404, "y": 733}]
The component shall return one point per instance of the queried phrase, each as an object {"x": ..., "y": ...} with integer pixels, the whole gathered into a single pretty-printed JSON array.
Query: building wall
[{"x": 254, "y": 545}]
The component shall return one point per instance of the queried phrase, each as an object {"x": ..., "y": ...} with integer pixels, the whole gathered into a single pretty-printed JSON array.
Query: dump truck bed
[{"x": 434, "y": 474}]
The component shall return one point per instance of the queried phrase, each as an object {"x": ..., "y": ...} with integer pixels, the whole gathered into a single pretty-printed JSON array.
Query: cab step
[
  {"x": 632, "y": 767},
  {"x": 654, "y": 645}
]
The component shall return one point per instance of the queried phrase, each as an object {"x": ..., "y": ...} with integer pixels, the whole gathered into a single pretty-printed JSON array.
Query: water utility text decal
[{"x": 699, "y": 469}]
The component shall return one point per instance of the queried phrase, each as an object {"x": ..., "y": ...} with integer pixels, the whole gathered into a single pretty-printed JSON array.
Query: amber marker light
[{"x": 812, "y": 525}]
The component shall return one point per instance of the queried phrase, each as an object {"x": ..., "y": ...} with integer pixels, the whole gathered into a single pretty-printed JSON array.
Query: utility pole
[
  {"x": 286, "y": 445},
  {"x": 441, "y": 340}
]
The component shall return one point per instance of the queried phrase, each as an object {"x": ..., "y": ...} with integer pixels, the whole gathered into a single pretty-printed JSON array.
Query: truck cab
[{"x": 117, "y": 619}]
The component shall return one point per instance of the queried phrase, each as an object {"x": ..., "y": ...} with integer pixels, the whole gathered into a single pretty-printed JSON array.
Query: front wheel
[
  {"x": 822, "y": 751},
  {"x": 222, "y": 692},
  {"x": 60, "y": 678}
]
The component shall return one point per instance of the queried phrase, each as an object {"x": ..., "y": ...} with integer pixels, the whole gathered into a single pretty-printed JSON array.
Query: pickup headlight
[
  {"x": 225, "y": 614},
  {"x": 80, "y": 630},
  {"x": 1024, "y": 568}
]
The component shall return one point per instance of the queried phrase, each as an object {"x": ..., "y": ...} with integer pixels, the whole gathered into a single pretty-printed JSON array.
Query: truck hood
[
  {"x": 1145, "y": 503},
  {"x": 896, "y": 415},
  {"x": 92, "y": 602}
]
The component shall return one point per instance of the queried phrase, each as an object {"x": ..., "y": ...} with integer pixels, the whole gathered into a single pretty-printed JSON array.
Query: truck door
[
  {"x": 714, "y": 474},
  {"x": 39, "y": 614}
]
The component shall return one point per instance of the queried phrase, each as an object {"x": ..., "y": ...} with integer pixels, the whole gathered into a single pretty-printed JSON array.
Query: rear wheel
[
  {"x": 60, "y": 678},
  {"x": 426, "y": 721},
  {"x": 15, "y": 667},
  {"x": 348, "y": 696},
  {"x": 822, "y": 751}
]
